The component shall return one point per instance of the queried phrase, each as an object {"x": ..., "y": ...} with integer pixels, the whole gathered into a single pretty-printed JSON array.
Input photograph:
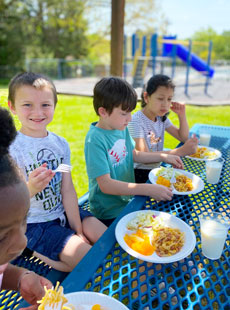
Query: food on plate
[
  {"x": 140, "y": 242},
  {"x": 183, "y": 184},
  {"x": 163, "y": 181},
  {"x": 144, "y": 221},
  {"x": 54, "y": 299},
  {"x": 97, "y": 307},
  {"x": 168, "y": 241},
  {"x": 151, "y": 233},
  {"x": 167, "y": 173},
  {"x": 203, "y": 153}
]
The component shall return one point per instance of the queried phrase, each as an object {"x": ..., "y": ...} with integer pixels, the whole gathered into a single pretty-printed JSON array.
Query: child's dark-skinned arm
[{"x": 30, "y": 285}]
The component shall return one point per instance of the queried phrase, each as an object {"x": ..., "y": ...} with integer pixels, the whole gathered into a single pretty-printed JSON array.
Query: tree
[
  {"x": 221, "y": 46},
  {"x": 138, "y": 16},
  {"x": 41, "y": 28},
  {"x": 144, "y": 16},
  {"x": 12, "y": 37},
  {"x": 99, "y": 49},
  {"x": 58, "y": 27}
]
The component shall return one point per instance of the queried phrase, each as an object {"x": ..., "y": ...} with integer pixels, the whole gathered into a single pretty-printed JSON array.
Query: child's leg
[
  {"x": 93, "y": 229},
  {"x": 58, "y": 265},
  {"x": 57, "y": 246},
  {"x": 73, "y": 252}
]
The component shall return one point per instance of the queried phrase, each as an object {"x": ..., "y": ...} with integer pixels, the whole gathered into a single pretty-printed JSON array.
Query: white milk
[
  {"x": 213, "y": 171},
  {"x": 213, "y": 235},
  {"x": 205, "y": 139}
]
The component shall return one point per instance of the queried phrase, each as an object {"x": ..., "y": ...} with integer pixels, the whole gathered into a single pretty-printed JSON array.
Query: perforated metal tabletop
[{"x": 192, "y": 283}]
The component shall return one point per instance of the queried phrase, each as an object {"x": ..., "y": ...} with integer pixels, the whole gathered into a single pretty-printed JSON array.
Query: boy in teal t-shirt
[{"x": 110, "y": 152}]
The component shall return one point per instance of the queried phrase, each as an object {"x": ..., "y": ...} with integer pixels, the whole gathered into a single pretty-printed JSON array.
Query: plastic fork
[
  {"x": 173, "y": 179},
  {"x": 63, "y": 168}
]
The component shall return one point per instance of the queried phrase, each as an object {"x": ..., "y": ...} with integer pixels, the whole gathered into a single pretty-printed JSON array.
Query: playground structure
[{"x": 148, "y": 52}]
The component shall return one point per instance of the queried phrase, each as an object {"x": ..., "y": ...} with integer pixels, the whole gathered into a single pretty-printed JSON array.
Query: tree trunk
[{"x": 117, "y": 37}]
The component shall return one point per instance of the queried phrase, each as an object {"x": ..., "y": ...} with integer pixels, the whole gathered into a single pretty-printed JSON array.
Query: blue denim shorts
[{"x": 49, "y": 238}]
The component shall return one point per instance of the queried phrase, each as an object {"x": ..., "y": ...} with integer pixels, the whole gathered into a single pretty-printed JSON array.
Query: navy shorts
[{"x": 49, "y": 238}]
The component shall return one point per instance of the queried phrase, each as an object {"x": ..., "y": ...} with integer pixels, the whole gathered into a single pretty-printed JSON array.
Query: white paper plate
[
  {"x": 171, "y": 221},
  {"x": 217, "y": 152},
  {"x": 197, "y": 182},
  {"x": 85, "y": 301}
]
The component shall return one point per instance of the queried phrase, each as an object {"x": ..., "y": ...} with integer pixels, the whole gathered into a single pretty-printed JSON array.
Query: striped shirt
[{"x": 152, "y": 131}]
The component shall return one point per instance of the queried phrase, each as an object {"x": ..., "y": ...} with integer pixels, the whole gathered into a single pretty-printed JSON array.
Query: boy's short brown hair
[
  {"x": 112, "y": 92},
  {"x": 35, "y": 80}
]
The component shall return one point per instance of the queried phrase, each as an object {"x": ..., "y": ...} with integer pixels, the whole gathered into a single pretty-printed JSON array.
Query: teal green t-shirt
[{"x": 108, "y": 152}]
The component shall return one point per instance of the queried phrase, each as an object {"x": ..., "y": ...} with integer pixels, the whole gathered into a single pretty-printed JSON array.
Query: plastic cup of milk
[
  {"x": 214, "y": 229},
  {"x": 205, "y": 137},
  {"x": 213, "y": 170}
]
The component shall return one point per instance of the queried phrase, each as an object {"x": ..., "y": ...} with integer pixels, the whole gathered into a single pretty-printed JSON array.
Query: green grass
[{"x": 74, "y": 114}]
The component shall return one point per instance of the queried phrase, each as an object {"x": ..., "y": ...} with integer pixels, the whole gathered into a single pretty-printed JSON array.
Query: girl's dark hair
[
  {"x": 153, "y": 83},
  {"x": 112, "y": 92},
  {"x": 9, "y": 173},
  {"x": 38, "y": 81}
]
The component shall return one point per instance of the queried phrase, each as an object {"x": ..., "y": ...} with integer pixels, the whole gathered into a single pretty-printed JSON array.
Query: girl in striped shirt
[{"x": 148, "y": 125}]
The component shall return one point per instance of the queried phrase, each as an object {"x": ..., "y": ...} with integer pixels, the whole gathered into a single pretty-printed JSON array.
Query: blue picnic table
[{"x": 195, "y": 282}]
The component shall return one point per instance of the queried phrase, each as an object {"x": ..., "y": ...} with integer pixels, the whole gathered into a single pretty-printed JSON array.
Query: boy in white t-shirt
[
  {"x": 57, "y": 232},
  {"x": 14, "y": 206}
]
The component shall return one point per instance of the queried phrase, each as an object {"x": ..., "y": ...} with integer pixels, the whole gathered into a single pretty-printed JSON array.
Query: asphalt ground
[{"x": 217, "y": 92}]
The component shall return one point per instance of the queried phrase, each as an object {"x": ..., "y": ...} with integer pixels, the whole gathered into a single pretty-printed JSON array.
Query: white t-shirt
[
  {"x": 152, "y": 131},
  {"x": 30, "y": 153}
]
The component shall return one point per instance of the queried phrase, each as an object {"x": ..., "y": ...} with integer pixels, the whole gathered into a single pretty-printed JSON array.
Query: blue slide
[{"x": 182, "y": 52}]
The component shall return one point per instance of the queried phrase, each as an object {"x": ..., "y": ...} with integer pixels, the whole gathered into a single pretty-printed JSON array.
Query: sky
[
  {"x": 185, "y": 16},
  {"x": 188, "y": 16}
]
